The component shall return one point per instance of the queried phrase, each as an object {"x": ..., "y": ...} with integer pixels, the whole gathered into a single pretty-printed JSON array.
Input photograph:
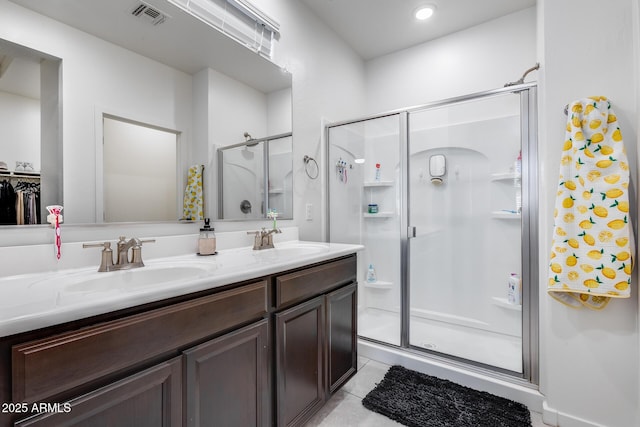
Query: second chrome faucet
[{"x": 123, "y": 260}]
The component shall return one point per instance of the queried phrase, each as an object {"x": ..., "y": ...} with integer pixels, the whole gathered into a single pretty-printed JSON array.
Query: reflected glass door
[
  {"x": 465, "y": 176},
  {"x": 365, "y": 208}
]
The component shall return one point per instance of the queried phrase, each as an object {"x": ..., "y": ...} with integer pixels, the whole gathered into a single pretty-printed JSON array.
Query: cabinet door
[
  {"x": 299, "y": 362},
  {"x": 227, "y": 379},
  {"x": 150, "y": 398},
  {"x": 341, "y": 306}
]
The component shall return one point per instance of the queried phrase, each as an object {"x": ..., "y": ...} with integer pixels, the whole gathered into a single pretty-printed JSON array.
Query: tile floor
[{"x": 345, "y": 408}]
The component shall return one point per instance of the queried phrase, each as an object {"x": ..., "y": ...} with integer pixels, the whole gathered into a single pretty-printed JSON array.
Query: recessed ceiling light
[{"x": 424, "y": 12}]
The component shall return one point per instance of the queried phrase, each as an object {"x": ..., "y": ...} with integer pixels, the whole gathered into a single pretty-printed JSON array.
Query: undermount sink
[{"x": 136, "y": 278}]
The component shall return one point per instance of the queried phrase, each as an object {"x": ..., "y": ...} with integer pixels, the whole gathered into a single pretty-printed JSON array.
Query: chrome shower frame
[{"x": 529, "y": 229}]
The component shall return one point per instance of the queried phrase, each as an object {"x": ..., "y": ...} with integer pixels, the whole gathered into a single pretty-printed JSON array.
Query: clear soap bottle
[{"x": 207, "y": 240}]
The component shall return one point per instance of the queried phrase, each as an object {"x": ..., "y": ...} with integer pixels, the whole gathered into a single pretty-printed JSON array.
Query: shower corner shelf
[
  {"x": 380, "y": 284},
  {"x": 377, "y": 183},
  {"x": 504, "y": 303},
  {"x": 505, "y": 176},
  {"x": 378, "y": 215},
  {"x": 505, "y": 215}
]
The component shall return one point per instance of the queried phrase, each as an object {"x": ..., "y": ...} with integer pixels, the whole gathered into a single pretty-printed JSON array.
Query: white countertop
[{"x": 33, "y": 301}]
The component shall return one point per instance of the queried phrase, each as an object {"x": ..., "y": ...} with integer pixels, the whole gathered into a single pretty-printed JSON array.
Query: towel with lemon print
[
  {"x": 592, "y": 238},
  {"x": 192, "y": 201}
]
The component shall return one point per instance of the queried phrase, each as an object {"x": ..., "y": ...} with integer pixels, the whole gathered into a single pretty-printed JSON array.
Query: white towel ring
[{"x": 307, "y": 160}]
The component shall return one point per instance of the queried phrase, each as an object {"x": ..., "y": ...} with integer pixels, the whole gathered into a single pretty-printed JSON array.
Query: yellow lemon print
[
  {"x": 551, "y": 282},
  {"x": 612, "y": 179},
  {"x": 613, "y": 293},
  {"x": 569, "y": 217},
  {"x": 621, "y": 286},
  {"x": 568, "y": 202},
  {"x": 584, "y": 297},
  {"x": 622, "y": 241},
  {"x": 600, "y": 211},
  {"x": 598, "y": 98},
  {"x": 571, "y": 261},
  {"x": 597, "y": 137},
  {"x": 595, "y": 123},
  {"x": 573, "y": 243},
  {"x": 556, "y": 268},
  {"x": 573, "y": 275},
  {"x": 613, "y": 193},
  {"x": 560, "y": 231},
  {"x": 579, "y": 136},
  {"x": 590, "y": 283},
  {"x": 606, "y": 150},
  {"x": 581, "y": 180},
  {"x": 576, "y": 121},
  {"x": 587, "y": 194},
  {"x": 586, "y": 268},
  {"x": 607, "y": 272},
  {"x": 595, "y": 254},
  {"x": 588, "y": 239},
  {"x": 577, "y": 108},
  {"x": 567, "y": 145},
  {"x": 611, "y": 118},
  {"x": 560, "y": 249},
  {"x": 620, "y": 256},
  {"x": 617, "y": 135},
  {"x": 622, "y": 206},
  {"x": 589, "y": 109},
  {"x": 582, "y": 209},
  {"x": 555, "y": 212},
  {"x": 553, "y": 255},
  {"x": 593, "y": 175},
  {"x": 617, "y": 224},
  {"x": 588, "y": 153},
  {"x": 626, "y": 268},
  {"x": 624, "y": 166},
  {"x": 559, "y": 192},
  {"x": 605, "y": 236},
  {"x": 586, "y": 224},
  {"x": 568, "y": 127},
  {"x": 603, "y": 164},
  {"x": 625, "y": 185},
  {"x": 566, "y": 160},
  {"x": 570, "y": 185}
]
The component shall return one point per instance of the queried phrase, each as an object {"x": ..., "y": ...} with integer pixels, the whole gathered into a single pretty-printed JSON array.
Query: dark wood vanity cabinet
[
  {"x": 316, "y": 339},
  {"x": 265, "y": 352}
]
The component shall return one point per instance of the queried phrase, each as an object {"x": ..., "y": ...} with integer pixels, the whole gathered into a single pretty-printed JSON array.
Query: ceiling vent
[{"x": 150, "y": 14}]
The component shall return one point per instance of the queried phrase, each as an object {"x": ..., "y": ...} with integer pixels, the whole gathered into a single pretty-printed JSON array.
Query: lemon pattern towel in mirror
[
  {"x": 592, "y": 241},
  {"x": 192, "y": 204}
]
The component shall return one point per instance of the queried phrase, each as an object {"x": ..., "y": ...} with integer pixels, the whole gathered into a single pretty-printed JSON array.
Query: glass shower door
[
  {"x": 465, "y": 175},
  {"x": 365, "y": 208}
]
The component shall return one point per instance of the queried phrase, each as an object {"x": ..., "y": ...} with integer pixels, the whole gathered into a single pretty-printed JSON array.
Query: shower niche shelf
[
  {"x": 505, "y": 176},
  {"x": 505, "y": 215},
  {"x": 504, "y": 303},
  {"x": 378, "y": 215},
  {"x": 380, "y": 284},
  {"x": 377, "y": 184}
]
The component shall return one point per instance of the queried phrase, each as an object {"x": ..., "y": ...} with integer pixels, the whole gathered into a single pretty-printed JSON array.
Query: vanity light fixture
[{"x": 424, "y": 12}]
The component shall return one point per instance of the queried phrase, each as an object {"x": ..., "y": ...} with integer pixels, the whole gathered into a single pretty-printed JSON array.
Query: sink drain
[{"x": 429, "y": 346}]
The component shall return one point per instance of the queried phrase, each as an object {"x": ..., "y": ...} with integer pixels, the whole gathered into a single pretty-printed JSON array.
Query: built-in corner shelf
[
  {"x": 377, "y": 184},
  {"x": 505, "y": 215},
  {"x": 380, "y": 284},
  {"x": 504, "y": 303},
  {"x": 378, "y": 215},
  {"x": 505, "y": 176}
]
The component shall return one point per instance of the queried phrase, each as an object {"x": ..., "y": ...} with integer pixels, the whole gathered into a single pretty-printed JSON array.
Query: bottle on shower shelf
[
  {"x": 517, "y": 179},
  {"x": 371, "y": 274},
  {"x": 377, "y": 176}
]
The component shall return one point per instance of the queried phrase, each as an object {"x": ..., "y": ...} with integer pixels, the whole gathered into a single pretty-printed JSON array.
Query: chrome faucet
[
  {"x": 263, "y": 239},
  {"x": 123, "y": 261}
]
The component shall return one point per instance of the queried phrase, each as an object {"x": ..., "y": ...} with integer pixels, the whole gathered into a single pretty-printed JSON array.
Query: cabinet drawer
[
  {"x": 44, "y": 368},
  {"x": 300, "y": 285}
]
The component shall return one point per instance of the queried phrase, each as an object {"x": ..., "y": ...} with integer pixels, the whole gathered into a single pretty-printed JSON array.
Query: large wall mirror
[{"x": 93, "y": 59}]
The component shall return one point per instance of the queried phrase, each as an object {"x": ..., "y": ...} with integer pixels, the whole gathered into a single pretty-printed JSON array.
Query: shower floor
[{"x": 502, "y": 351}]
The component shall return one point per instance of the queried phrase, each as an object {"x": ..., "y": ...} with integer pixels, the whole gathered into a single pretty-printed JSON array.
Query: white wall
[
  {"x": 589, "y": 359},
  {"x": 328, "y": 83},
  {"x": 474, "y": 60}
]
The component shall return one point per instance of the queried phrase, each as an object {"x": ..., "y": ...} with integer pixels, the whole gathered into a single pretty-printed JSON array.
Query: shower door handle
[{"x": 411, "y": 232}]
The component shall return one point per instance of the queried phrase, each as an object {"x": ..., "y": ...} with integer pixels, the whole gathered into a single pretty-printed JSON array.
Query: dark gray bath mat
[{"x": 420, "y": 400}]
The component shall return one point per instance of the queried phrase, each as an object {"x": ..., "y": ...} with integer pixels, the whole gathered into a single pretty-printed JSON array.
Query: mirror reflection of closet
[
  {"x": 30, "y": 127},
  {"x": 139, "y": 170}
]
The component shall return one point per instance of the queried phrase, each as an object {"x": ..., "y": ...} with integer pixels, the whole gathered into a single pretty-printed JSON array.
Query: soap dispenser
[{"x": 207, "y": 240}]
